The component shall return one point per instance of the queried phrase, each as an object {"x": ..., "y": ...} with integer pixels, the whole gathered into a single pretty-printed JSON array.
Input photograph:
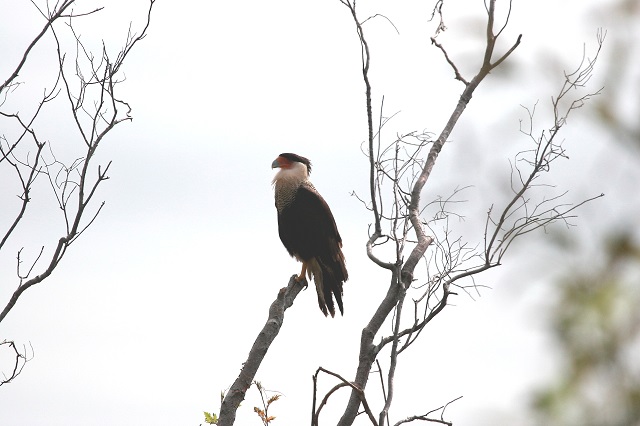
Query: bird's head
[{"x": 292, "y": 167}]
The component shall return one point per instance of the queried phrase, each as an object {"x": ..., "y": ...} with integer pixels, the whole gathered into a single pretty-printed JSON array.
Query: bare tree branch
[
  {"x": 72, "y": 185},
  {"x": 51, "y": 18},
  {"x": 366, "y": 57},
  {"x": 271, "y": 328},
  {"x": 20, "y": 360},
  {"x": 402, "y": 273},
  {"x": 426, "y": 418},
  {"x": 344, "y": 383}
]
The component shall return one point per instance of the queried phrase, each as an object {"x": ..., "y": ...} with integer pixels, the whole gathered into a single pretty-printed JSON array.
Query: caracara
[{"x": 308, "y": 230}]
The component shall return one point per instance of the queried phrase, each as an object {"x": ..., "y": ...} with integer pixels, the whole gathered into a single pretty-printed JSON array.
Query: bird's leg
[{"x": 303, "y": 272}]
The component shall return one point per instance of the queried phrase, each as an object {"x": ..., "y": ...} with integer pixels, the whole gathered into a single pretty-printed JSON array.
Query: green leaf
[{"x": 211, "y": 419}]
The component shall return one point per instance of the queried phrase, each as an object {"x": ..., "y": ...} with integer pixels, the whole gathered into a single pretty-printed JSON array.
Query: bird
[{"x": 308, "y": 230}]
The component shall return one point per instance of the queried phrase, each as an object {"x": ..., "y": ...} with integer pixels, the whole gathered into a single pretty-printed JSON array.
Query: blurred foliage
[
  {"x": 596, "y": 319},
  {"x": 619, "y": 109},
  {"x": 597, "y": 324}
]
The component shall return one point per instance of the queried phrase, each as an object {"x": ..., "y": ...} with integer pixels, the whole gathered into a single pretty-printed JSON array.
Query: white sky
[{"x": 154, "y": 309}]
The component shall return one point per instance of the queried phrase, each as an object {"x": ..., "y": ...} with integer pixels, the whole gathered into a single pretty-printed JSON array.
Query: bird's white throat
[
  {"x": 293, "y": 175},
  {"x": 287, "y": 182}
]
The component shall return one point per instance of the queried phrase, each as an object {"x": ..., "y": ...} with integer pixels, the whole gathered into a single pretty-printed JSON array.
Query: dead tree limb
[
  {"x": 271, "y": 328},
  {"x": 402, "y": 270},
  {"x": 96, "y": 98}
]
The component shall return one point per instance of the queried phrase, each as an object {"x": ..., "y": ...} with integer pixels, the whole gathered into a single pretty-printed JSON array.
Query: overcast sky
[{"x": 155, "y": 307}]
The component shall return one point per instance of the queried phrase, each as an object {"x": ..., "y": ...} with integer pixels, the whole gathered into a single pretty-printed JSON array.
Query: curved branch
[
  {"x": 344, "y": 383},
  {"x": 21, "y": 360}
]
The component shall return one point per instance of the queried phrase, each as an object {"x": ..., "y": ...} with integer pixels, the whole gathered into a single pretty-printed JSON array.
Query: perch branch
[{"x": 271, "y": 328}]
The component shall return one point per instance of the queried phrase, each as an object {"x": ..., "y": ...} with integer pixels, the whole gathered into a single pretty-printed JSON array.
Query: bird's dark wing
[{"x": 307, "y": 227}]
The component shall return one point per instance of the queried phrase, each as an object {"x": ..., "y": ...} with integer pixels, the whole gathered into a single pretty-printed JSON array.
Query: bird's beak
[{"x": 275, "y": 164}]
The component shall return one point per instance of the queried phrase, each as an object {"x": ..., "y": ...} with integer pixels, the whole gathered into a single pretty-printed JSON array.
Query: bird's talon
[{"x": 301, "y": 281}]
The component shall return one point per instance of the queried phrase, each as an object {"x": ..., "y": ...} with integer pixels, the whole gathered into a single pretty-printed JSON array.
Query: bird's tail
[{"x": 328, "y": 275}]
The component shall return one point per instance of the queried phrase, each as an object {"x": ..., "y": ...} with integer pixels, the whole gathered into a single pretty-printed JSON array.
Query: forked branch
[{"x": 403, "y": 269}]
